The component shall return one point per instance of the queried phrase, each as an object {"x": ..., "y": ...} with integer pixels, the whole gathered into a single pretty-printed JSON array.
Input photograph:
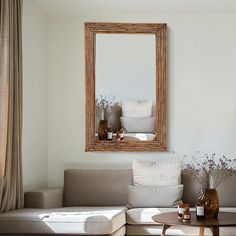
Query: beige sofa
[{"x": 94, "y": 202}]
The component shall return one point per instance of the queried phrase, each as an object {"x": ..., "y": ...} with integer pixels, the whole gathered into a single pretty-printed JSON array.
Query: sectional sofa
[{"x": 95, "y": 202}]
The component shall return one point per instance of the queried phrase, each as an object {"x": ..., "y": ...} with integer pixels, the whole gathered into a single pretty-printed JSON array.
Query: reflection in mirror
[{"x": 125, "y": 87}]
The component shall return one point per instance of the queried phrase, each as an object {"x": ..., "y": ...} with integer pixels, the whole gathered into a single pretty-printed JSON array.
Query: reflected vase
[
  {"x": 209, "y": 198},
  {"x": 102, "y": 130}
]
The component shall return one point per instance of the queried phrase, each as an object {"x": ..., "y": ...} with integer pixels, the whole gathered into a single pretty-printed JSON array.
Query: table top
[{"x": 170, "y": 218}]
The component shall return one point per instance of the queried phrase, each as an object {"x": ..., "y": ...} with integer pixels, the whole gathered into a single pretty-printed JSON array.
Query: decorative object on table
[
  {"x": 209, "y": 198},
  {"x": 187, "y": 215},
  {"x": 120, "y": 134},
  {"x": 180, "y": 211},
  {"x": 210, "y": 171},
  {"x": 102, "y": 130},
  {"x": 183, "y": 212},
  {"x": 109, "y": 132},
  {"x": 105, "y": 106},
  {"x": 199, "y": 210}
]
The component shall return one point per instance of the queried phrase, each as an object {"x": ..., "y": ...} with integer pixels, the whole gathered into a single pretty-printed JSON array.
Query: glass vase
[
  {"x": 209, "y": 198},
  {"x": 102, "y": 130}
]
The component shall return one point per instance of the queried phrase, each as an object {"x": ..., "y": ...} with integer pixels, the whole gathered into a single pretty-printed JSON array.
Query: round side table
[{"x": 225, "y": 219}]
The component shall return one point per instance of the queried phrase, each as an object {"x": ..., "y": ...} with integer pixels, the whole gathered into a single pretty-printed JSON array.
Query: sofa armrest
[{"x": 44, "y": 198}]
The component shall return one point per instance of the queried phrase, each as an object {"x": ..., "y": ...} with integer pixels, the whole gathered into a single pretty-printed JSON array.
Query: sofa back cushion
[
  {"x": 110, "y": 187},
  {"x": 227, "y": 192},
  {"x": 96, "y": 187},
  {"x": 191, "y": 189}
]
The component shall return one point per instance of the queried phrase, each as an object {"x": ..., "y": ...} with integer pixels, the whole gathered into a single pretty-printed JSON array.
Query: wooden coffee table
[{"x": 225, "y": 219}]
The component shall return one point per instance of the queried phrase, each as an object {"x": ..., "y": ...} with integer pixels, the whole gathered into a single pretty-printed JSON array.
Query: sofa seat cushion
[
  {"x": 73, "y": 220},
  {"x": 228, "y": 209},
  {"x": 143, "y": 216},
  {"x": 140, "y": 216}
]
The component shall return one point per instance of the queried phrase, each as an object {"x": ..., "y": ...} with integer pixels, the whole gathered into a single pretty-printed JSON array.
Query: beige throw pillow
[
  {"x": 156, "y": 173},
  {"x": 163, "y": 196},
  {"x": 138, "y": 125}
]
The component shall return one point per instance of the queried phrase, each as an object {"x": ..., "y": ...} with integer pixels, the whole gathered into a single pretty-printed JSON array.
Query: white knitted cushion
[
  {"x": 139, "y": 108},
  {"x": 156, "y": 173}
]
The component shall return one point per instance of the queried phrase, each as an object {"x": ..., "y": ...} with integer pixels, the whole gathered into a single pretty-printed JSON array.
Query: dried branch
[
  {"x": 209, "y": 170},
  {"x": 105, "y": 106}
]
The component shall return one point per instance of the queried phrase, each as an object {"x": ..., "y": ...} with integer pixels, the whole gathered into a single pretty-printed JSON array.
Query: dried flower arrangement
[
  {"x": 105, "y": 106},
  {"x": 209, "y": 170}
]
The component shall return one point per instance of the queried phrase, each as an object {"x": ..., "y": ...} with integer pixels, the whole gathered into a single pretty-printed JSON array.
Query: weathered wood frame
[{"x": 160, "y": 31}]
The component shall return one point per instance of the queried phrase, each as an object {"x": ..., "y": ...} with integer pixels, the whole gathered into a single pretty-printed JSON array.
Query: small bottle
[
  {"x": 199, "y": 210},
  {"x": 180, "y": 212},
  {"x": 109, "y": 132},
  {"x": 187, "y": 215}
]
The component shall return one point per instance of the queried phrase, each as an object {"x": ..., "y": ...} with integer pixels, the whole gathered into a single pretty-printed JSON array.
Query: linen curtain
[{"x": 11, "y": 194}]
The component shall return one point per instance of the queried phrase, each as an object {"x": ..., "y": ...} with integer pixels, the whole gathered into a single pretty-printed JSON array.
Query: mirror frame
[{"x": 160, "y": 32}]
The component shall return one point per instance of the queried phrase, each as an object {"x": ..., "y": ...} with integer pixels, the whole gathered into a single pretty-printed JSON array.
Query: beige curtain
[{"x": 11, "y": 196}]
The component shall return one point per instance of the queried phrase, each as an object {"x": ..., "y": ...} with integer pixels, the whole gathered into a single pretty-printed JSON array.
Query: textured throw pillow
[
  {"x": 156, "y": 173},
  {"x": 138, "y": 125},
  {"x": 140, "y": 108},
  {"x": 162, "y": 196}
]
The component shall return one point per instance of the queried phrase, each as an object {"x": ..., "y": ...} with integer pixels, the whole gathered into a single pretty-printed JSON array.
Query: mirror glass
[{"x": 125, "y": 87}]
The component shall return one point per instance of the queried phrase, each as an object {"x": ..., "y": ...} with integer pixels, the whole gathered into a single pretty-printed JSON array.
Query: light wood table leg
[
  {"x": 201, "y": 231},
  {"x": 215, "y": 231},
  {"x": 164, "y": 228}
]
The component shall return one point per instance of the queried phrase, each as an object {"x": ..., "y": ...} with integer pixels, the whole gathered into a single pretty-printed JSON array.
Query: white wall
[
  {"x": 35, "y": 87},
  {"x": 202, "y": 98}
]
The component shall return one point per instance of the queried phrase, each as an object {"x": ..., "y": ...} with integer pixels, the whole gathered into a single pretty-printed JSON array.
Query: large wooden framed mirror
[{"x": 126, "y": 87}]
